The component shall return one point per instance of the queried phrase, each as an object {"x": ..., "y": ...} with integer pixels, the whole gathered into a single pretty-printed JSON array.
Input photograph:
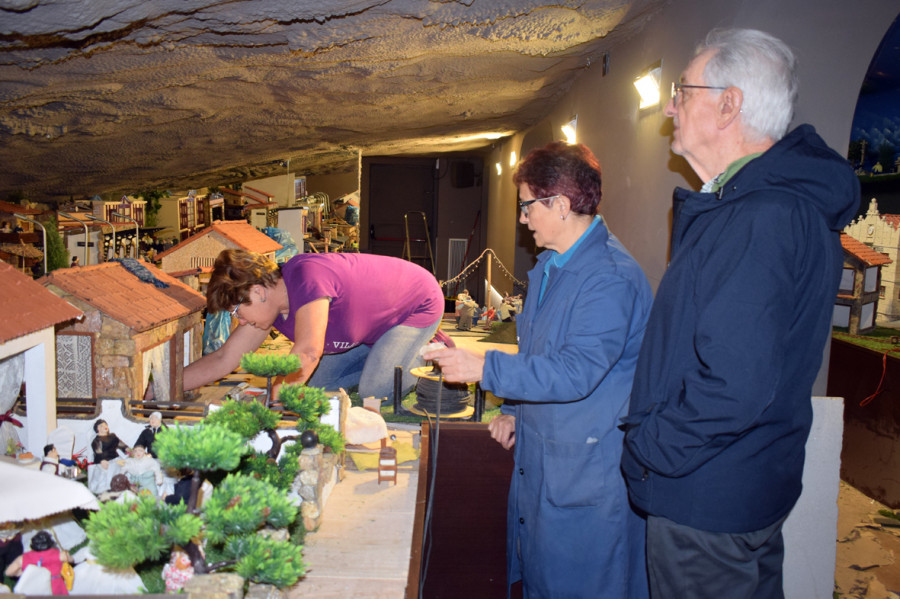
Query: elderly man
[{"x": 720, "y": 409}]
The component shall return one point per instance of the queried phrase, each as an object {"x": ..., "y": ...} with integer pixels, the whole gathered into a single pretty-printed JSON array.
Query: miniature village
[
  {"x": 123, "y": 483},
  {"x": 117, "y": 320},
  {"x": 103, "y": 301}
]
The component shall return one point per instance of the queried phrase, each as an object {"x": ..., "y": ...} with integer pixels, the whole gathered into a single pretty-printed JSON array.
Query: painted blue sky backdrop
[{"x": 877, "y": 116}]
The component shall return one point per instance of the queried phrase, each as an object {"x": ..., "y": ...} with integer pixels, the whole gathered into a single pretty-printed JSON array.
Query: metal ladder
[{"x": 407, "y": 246}]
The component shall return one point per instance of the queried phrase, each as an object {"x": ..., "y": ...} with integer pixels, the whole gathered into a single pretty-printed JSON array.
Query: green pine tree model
[
  {"x": 269, "y": 366},
  {"x": 57, "y": 254},
  {"x": 123, "y": 535}
]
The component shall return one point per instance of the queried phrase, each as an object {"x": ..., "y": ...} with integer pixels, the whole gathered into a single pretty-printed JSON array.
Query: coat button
[
  {"x": 521, "y": 471},
  {"x": 645, "y": 475},
  {"x": 521, "y": 520}
]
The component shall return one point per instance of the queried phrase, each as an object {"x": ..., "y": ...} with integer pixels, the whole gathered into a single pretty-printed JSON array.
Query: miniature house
[
  {"x": 198, "y": 253},
  {"x": 858, "y": 293},
  {"x": 881, "y": 232},
  {"x": 255, "y": 205},
  {"x": 141, "y": 326},
  {"x": 27, "y": 353},
  {"x": 21, "y": 246}
]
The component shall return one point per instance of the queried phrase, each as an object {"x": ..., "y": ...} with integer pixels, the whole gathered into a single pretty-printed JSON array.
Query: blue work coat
[{"x": 570, "y": 530}]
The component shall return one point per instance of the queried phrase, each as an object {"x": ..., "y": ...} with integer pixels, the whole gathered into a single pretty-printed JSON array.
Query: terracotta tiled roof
[
  {"x": 27, "y": 307},
  {"x": 122, "y": 296},
  {"x": 863, "y": 252},
  {"x": 892, "y": 219},
  {"x": 239, "y": 232},
  {"x": 9, "y": 208}
]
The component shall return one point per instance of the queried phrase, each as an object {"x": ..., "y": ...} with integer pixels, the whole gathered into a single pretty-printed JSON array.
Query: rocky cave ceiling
[{"x": 108, "y": 97}]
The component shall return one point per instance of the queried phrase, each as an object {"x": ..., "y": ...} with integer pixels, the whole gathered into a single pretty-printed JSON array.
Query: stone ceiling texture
[{"x": 106, "y": 97}]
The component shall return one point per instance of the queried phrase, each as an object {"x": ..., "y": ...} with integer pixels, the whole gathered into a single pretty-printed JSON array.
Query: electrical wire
[{"x": 429, "y": 507}]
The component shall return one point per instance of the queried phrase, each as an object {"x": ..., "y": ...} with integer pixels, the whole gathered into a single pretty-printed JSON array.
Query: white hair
[{"x": 763, "y": 68}]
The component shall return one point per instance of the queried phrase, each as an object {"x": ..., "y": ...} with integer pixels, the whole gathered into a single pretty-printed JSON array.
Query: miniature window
[
  {"x": 841, "y": 316},
  {"x": 847, "y": 278},
  {"x": 74, "y": 366}
]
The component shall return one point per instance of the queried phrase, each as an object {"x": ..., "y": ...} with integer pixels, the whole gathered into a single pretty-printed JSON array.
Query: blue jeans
[{"x": 372, "y": 368}]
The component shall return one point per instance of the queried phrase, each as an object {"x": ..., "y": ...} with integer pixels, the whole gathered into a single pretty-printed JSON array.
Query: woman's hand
[
  {"x": 503, "y": 430},
  {"x": 458, "y": 365}
]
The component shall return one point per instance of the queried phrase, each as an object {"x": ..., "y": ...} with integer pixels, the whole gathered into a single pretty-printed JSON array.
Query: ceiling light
[
  {"x": 499, "y": 168},
  {"x": 512, "y": 159}
]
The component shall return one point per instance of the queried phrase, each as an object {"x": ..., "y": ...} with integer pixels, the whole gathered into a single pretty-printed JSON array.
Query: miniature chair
[{"x": 387, "y": 464}]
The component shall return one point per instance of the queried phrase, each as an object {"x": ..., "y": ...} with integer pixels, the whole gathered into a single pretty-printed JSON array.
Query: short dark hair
[
  {"x": 98, "y": 423},
  {"x": 565, "y": 169},
  {"x": 42, "y": 541},
  {"x": 234, "y": 273}
]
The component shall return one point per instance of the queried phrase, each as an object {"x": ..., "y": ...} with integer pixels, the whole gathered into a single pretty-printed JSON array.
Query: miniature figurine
[
  {"x": 74, "y": 262},
  {"x": 142, "y": 470},
  {"x": 466, "y": 307},
  {"x": 178, "y": 571},
  {"x": 43, "y": 553},
  {"x": 51, "y": 459},
  {"x": 106, "y": 445},
  {"x": 148, "y": 435}
]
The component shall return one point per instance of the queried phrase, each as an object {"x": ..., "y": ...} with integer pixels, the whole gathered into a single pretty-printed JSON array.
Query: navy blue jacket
[
  {"x": 570, "y": 530},
  {"x": 720, "y": 407}
]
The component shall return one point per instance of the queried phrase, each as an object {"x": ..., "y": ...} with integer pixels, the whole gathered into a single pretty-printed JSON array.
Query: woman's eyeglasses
[
  {"x": 236, "y": 306},
  {"x": 523, "y": 206}
]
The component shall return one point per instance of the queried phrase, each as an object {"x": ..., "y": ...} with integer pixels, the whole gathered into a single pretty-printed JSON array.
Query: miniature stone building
[
  {"x": 140, "y": 324},
  {"x": 881, "y": 232},
  {"x": 199, "y": 251}
]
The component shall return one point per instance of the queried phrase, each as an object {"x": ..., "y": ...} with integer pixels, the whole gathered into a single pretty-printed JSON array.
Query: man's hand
[
  {"x": 503, "y": 430},
  {"x": 458, "y": 365}
]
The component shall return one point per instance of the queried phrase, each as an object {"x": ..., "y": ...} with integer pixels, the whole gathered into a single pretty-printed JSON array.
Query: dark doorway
[{"x": 397, "y": 188}]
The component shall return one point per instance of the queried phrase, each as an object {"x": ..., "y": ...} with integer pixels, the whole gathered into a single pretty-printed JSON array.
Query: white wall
[{"x": 834, "y": 42}]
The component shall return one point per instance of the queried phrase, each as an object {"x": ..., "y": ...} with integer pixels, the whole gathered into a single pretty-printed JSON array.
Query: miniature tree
[
  {"x": 310, "y": 404},
  {"x": 152, "y": 197},
  {"x": 248, "y": 419},
  {"x": 269, "y": 366},
  {"x": 57, "y": 254},
  {"x": 125, "y": 535}
]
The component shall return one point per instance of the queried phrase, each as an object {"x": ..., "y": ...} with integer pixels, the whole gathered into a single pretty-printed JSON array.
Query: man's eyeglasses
[
  {"x": 523, "y": 206},
  {"x": 236, "y": 306},
  {"x": 677, "y": 87}
]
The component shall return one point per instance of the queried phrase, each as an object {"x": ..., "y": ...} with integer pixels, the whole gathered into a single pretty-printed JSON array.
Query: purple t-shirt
[{"x": 369, "y": 295}]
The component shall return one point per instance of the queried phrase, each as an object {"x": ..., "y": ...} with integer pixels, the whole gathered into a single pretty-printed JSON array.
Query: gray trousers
[{"x": 686, "y": 563}]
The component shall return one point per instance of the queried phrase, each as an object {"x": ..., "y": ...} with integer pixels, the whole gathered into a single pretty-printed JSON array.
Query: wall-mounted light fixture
[
  {"x": 647, "y": 85},
  {"x": 43, "y": 232},
  {"x": 499, "y": 168},
  {"x": 87, "y": 238},
  {"x": 512, "y": 159},
  {"x": 570, "y": 129}
]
